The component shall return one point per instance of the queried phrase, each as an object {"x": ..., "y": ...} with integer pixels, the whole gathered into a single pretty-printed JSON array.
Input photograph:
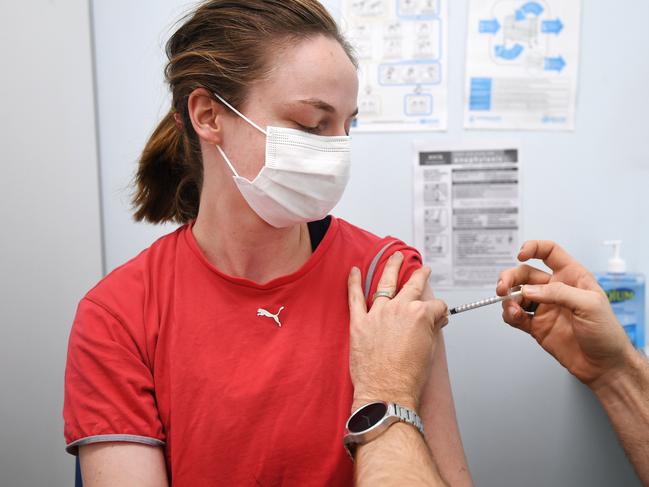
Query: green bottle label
[{"x": 620, "y": 295}]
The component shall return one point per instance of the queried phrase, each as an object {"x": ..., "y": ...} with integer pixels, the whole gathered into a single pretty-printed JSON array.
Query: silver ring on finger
[{"x": 382, "y": 294}]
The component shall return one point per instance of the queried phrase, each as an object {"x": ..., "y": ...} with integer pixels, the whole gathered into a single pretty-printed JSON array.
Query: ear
[{"x": 206, "y": 115}]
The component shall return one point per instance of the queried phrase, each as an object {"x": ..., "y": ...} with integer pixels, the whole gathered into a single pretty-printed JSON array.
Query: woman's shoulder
[
  {"x": 354, "y": 233},
  {"x": 134, "y": 279},
  {"x": 371, "y": 253},
  {"x": 364, "y": 240}
]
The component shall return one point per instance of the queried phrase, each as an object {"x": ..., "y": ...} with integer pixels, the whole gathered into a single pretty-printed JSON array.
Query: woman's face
[{"x": 312, "y": 86}]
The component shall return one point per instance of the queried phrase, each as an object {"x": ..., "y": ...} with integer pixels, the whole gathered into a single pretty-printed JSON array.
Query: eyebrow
[{"x": 323, "y": 105}]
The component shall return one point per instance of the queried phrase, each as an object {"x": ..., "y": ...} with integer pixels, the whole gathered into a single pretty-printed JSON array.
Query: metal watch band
[
  {"x": 408, "y": 416},
  {"x": 393, "y": 414}
]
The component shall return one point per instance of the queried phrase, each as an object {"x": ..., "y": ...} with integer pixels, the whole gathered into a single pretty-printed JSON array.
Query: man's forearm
[
  {"x": 626, "y": 400},
  {"x": 400, "y": 456}
]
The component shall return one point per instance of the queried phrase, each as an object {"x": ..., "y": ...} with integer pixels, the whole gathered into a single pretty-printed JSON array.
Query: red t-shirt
[{"x": 167, "y": 350}]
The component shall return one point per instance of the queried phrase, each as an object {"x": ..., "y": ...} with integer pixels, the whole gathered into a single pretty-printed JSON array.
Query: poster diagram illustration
[
  {"x": 401, "y": 48},
  {"x": 522, "y": 64}
]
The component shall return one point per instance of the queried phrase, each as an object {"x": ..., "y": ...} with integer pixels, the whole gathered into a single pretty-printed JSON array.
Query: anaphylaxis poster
[{"x": 467, "y": 213}]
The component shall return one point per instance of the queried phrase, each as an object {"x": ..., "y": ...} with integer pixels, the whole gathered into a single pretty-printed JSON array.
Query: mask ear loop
[
  {"x": 240, "y": 114},
  {"x": 227, "y": 160},
  {"x": 234, "y": 171}
]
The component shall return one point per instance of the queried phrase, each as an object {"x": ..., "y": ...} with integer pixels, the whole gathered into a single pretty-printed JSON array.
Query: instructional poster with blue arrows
[
  {"x": 401, "y": 47},
  {"x": 522, "y": 64}
]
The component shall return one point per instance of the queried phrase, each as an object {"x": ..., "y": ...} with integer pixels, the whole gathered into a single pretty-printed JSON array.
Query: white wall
[
  {"x": 524, "y": 420},
  {"x": 50, "y": 247}
]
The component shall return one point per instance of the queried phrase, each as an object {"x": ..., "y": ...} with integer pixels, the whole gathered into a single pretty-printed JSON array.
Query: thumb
[
  {"x": 439, "y": 311},
  {"x": 558, "y": 293}
]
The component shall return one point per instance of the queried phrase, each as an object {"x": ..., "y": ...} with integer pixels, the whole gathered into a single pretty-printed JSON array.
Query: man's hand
[
  {"x": 391, "y": 346},
  {"x": 574, "y": 321}
]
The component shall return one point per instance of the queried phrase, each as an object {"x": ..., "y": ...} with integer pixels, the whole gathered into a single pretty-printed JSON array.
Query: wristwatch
[{"x": 370, "y": 421}]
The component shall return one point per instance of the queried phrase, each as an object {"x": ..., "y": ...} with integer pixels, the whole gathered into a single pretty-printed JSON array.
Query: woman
[{"x": 219, "y": 355}]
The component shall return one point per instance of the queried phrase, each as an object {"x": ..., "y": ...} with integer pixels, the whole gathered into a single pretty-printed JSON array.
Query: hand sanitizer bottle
[{"x": 626, "y": 293}]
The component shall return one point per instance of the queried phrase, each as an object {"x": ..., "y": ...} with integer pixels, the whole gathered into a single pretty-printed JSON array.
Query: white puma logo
[{"x": 268, "y": 314}]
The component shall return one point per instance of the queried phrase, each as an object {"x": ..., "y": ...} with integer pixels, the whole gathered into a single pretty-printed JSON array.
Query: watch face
[{"x": 367, "y": 417}]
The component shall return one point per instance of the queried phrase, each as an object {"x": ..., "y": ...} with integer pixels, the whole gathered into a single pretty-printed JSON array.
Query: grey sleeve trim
[
  {"x": 372, "y": 268},
  {"x": 73, "y": 448}
]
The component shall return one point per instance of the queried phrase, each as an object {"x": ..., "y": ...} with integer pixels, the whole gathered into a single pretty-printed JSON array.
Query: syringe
[{"x": 512, "y": 293}]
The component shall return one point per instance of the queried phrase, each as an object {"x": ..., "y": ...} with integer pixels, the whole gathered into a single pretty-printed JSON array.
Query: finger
[
  {"x": 548, "y": 251},
  {"x": 514, "y": 316},
  {"x": 439, "y": 311},
  {"x": 560, "y": 293},
  {"x": 414, "y": 288},
  {"x": 390, "y": 276},
  {"x": 357, "y": 306},
  {"x": 522, "y": 274}
]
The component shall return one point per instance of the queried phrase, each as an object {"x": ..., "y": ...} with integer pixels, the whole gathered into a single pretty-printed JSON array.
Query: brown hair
[{"x": 221, "y": 46}]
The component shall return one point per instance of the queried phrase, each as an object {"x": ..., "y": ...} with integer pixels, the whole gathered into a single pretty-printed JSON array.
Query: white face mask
[{"x": 303, "y": 178}]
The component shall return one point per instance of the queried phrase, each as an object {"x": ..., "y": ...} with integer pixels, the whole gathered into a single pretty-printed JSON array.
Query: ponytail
[{"x": 169, "y": 176}]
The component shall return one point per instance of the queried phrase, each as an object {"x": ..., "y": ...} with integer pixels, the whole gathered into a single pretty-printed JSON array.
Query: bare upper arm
[
  {"x": 440, "y": 421},
  {"x": 124, "y": 464}
]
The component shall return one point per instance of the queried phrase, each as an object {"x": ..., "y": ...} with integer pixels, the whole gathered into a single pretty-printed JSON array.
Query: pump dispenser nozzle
[{"x": 616, "y": 264}]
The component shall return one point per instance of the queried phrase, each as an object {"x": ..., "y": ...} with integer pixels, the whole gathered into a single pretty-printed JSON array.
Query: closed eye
[{"x": 308, "y": 129}]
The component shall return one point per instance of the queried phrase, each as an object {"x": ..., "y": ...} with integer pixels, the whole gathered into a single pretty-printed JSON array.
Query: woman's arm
[
  {"x": 124, "y": 464},
  {"x": 440, "y": 423}
]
